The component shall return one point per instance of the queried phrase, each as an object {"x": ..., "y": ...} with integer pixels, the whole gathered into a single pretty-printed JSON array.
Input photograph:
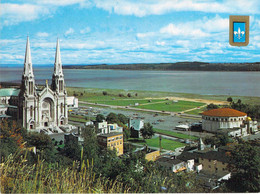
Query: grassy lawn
[
  {"x": 126, "y": 102},
  {"x": 172, "y": 107},
  {"x": 77, "y": 118},
  {"x": 166, "y": 143},
  {"x": 178, "y": 135}
]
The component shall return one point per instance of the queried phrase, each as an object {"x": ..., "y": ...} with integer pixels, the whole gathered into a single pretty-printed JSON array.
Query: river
[{"x": 197, "y": 82}]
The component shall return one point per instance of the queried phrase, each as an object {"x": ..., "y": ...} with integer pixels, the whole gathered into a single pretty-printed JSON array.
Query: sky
[{"x": 125, "y": 31}]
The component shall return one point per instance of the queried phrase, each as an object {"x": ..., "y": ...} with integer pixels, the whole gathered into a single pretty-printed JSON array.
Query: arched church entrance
[{"x": 47, "y": 111}]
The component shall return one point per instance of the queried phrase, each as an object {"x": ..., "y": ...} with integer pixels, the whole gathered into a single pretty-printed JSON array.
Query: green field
[
  {"x": 175, "y": 134},
  {"x": 166, "y": 143},
  {"x": 126, "y": 102},
  {"x": 172, "y": 106}
]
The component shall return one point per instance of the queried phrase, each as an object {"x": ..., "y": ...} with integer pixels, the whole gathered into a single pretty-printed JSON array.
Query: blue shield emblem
[{"x": 239, "y": 30}]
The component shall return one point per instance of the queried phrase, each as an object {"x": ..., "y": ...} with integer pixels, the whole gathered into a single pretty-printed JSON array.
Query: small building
[
  {"x": 215, "y": 162},
  {"x": 112, "y": 141},
  {"x": 135, "y": 125},
  {"x": 152, "y": 155},
  {"x": 172, "y": 164},
  {"x": 72, "y": 102},
  {"x": 101, "y": 127},
  {"x": 222, "y": 118},
  {"x": 182, "y": 127},
  {"x": 114, "y": 128}
]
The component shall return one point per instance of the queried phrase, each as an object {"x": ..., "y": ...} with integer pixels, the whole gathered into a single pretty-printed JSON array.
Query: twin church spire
[
  {"x": 28, "y": 60},
  {"x": 28, "y": 82}
]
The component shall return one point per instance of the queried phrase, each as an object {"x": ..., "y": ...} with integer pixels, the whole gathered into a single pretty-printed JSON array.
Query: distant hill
[{"x": 183, "y": 66}]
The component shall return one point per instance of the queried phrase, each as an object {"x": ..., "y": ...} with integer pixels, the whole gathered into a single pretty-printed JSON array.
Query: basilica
[{"x": 44, "y": 108}]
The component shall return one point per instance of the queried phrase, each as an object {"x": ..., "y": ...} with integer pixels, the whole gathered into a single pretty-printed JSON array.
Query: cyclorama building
[
  {"x": 43, "y": 110},
  {"x": 222, "y": 118}
]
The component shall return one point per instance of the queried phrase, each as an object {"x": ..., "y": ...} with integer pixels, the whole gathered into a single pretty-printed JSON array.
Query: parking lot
[{"x": 160, "y": 121}]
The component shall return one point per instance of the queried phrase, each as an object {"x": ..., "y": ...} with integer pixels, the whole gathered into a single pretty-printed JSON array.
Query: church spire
[
  {"x": 28, "y": 82},
  {"x": 58, "y": 64},
  {"x": 28, "y": 60},
  {"x": 57, "y": 77}
]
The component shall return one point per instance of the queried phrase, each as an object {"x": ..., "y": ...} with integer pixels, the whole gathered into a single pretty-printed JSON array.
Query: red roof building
[{"x": 222, "y": 118}]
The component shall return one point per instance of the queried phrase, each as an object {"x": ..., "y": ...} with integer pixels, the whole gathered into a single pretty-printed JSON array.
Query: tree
[
  {"x": 122, "y": 118},
  {"x": 100, "y": 118},
  {"x": 112, "y": 118},
  {"x": 72, "y": 150},
  {"x": 90, "y": 146},
  {"x": 245, "y": 168},
  {"x": 220, "y": 139},
  {"x": 229, "y": 99},
  {"x": 147, "y": 131},
  {"x": 212, "y": 106}
]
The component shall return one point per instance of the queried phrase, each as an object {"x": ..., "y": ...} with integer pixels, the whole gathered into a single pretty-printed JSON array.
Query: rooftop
[
  {"x": 215, "y": 155},
  {"x": 224, "y": 112},
  {"x": 169, "y": 160},
  {"x": 110, "y": 134},
  {"x": 9, "y": 91}
]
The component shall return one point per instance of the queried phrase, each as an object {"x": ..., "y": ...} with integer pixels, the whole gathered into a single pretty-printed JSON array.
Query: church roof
[
  {"x": 224, "y": 112},
  {"x": 9, "y": 92}
]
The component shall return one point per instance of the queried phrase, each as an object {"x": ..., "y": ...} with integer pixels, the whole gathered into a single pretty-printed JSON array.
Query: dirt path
[{"x": 195, "y": 100}]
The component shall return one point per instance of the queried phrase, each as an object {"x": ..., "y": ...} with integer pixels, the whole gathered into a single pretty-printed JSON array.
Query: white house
[{"x": 72, "y": 102}]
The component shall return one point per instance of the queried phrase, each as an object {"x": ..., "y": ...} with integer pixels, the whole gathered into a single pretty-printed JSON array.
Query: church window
[
  {"x": 30, "y": 87},
  {"x": 60, "y": 86},
  {"x": 61, "y": 108},
  {"x": 31, "y": 111}
]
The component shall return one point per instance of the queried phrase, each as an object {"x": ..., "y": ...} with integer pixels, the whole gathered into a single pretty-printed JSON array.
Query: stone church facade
[{"x": 44, "y": 108}]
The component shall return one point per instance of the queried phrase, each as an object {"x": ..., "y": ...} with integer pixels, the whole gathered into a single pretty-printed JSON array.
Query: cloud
[
  {"x": 60, "y": 2},
  {"x": 182, "y": 30},
  {"x": 42, "y": 34},
  {"x": 160, "y": 43},
  {"x": 15, "y": 13},
  {"x": 69, "y": 31},
  {"x": 85, "y": 30},
  {"x": 154, "y": 7}
]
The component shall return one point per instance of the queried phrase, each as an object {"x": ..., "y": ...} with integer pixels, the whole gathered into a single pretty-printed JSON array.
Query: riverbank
[{"x": 99, "y": 94}]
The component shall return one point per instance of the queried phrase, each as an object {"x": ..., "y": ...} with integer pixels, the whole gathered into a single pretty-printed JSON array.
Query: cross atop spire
[
  {"x": 58, "y": 64},
  {"x": 28, "y": 59}
]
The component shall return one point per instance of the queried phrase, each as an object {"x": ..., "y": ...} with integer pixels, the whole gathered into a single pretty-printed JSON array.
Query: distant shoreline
[{"x": 180, "y": 66}]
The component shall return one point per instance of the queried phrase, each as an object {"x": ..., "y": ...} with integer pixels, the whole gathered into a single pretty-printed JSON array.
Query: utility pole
[{"x": 160, "y": 143}]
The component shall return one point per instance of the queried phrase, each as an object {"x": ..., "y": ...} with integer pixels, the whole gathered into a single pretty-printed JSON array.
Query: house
[
  {"x": 211, "y": 181},
  {"x": 215, "y": 162},
  {"x": 101, "y": 127},
  {"x": 152, "y": 155},
  {"x": 112, "y": 141},
  {"x": 114, "y": 128},
  {"x": 72, "y": 102},
  {"x": 104, "y": 128},
  {"x": 135, "y": 125},
  {"x": 175, "y": 165}
]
